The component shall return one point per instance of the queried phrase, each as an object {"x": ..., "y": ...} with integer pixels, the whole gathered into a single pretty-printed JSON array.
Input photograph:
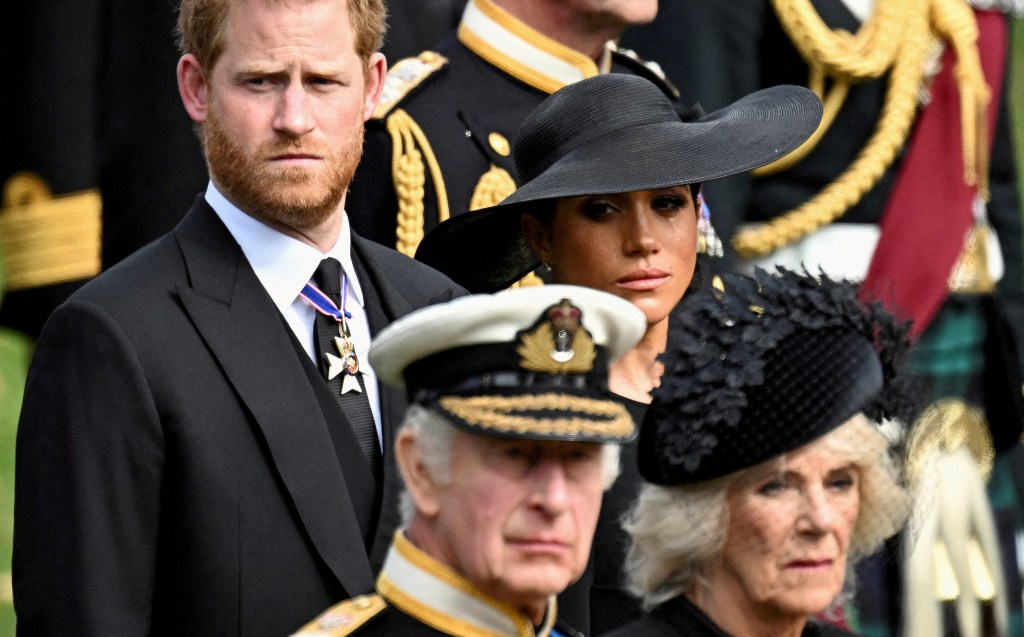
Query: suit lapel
[
  {"x": 244, "y": 330},
  {"x": 383, "y": 305}
]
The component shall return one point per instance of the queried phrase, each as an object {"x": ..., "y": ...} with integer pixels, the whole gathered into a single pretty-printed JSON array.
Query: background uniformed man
[{"x": 438, "y": 143}]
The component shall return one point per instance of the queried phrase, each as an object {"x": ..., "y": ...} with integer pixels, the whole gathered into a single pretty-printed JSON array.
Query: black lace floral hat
[{"x": 767, "y": 365}]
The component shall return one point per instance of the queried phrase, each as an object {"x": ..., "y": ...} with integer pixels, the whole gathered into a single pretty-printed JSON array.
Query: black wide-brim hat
[{"x": 609, "y": 134}]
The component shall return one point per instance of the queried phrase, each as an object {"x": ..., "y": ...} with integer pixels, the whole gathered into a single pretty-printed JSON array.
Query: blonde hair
[
  {"x": 201, "y": 25},
  {"x": 678, "y": 530}
]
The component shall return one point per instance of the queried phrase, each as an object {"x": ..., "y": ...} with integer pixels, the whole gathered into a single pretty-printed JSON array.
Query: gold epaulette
[
  {"x": 45, "y": 240},
  {"x": 406, "y": 75},
  {"x": 344, "y": 618}
]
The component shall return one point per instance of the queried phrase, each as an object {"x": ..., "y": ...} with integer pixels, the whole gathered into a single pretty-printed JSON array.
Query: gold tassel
[
  {"x": 493, "y": 187},
  {"x": 954, "y": 20}
]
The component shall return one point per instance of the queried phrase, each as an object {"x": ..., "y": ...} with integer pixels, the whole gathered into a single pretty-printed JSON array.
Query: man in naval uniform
[
  {"x": 437, "y": 144},
  {"x": 507, "y": 447}
]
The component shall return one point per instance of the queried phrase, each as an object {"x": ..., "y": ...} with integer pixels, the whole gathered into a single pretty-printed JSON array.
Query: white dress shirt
[{"x": 284, "y": 265}]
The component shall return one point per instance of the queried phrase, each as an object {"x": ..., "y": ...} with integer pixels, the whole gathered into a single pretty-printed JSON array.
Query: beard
[{"x": 295, "y": 197}]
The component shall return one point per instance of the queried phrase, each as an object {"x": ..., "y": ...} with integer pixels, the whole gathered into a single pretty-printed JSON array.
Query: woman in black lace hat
[
  {"x": 768, "y": 470},
  {"x": 609, "y": 199}
]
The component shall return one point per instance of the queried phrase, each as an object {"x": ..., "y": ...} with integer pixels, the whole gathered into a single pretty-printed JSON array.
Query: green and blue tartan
[{"x": 950, "y": 357}]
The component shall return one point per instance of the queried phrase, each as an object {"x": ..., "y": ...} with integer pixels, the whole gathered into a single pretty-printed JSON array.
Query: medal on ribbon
[{"x": 346, "y": 363}]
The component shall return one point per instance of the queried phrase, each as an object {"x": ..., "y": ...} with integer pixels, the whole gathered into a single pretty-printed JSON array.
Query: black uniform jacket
[
  {"x": 178, "y": 469},
  {"x": 419, "y": 595},
  {"x": 451, "y": 115}
]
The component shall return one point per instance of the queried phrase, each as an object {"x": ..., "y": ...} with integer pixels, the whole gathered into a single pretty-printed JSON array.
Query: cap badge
[{"x": 557, "y": 344}]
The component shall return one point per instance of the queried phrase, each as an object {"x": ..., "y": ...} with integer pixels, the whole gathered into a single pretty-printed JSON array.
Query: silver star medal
[{"x": 347, "y": 364}]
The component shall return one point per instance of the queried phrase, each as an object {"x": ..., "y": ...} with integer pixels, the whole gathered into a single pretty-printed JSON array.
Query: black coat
[
  {"x": 176, "y": 473},
  {"x": 611, "y": 605},
  {"x": 679, "y": 618}
]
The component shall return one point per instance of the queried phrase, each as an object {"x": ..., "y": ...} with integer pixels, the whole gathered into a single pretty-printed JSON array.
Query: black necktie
[{"x": 355, "y": 404}]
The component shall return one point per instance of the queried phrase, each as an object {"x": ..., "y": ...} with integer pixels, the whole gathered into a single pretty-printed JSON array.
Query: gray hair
[
  {"x": 434, "y": 436},
  {"x": 678, "y": 530}
]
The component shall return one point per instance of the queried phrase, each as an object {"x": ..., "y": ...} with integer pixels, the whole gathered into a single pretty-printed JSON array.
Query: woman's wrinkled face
[
  {"x": 790, "y": 522},
  {"x": 641, "y": 246}
]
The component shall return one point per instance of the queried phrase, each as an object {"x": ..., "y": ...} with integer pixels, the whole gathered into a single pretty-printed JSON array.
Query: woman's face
[
  {"x": 790, "y": 522},
  {"x": 640, "y": 245}
]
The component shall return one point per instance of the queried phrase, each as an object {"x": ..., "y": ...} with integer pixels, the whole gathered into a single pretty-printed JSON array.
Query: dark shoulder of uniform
[
  {"x": 345, "y": 618},
  {"x": 646, "y": 69},
  {"x": 419, "y": 283}
]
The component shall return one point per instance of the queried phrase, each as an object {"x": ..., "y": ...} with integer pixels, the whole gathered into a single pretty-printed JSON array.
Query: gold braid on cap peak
[
  {"x": 510, "y": 414},
  {"x": 410, "y": 148},
  {"x": 897, "y": 39}
]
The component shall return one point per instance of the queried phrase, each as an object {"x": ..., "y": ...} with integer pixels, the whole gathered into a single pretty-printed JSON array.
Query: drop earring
[{"x": 707, "y": 239}]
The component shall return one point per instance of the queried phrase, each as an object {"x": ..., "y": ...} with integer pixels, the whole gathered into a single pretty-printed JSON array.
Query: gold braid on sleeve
[
  {"x": 897, "y": 39},
  {"x": 410, "y": 149}
]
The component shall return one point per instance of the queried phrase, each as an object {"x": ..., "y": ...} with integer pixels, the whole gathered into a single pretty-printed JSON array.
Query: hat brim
[{"x": 752, "y": 132}]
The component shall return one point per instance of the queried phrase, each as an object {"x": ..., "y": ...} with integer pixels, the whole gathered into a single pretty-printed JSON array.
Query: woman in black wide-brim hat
[
  {"x": 610, "y": 177},
  {"x": 769, "y": 473}
]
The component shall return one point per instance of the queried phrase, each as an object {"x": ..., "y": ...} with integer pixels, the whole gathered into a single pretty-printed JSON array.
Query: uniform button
[{"x": 499, "y": 144}]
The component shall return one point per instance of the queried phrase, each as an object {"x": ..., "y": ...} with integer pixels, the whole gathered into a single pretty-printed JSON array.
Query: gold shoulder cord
[
  {"x": 410, "y": 148},
  {"x": 896, "y": 40}
]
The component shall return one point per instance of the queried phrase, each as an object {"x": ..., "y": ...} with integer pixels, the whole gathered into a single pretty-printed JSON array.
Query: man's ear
[
  {"x": 537, "y": 236},
  {"x": 193, "y": 87},
  {"x": 421, "y": 485},
  {"x": 376, "y": 71}
]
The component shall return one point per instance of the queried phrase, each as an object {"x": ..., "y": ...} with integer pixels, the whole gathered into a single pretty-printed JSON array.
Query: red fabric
[{"x": 930, "y": 209}]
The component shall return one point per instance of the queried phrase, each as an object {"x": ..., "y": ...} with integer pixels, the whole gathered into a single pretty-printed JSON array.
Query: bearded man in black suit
[{"x": 182, "y": 467}]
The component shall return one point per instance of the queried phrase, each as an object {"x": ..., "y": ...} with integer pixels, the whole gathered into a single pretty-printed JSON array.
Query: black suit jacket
[{"x": 175, "y": 472}]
